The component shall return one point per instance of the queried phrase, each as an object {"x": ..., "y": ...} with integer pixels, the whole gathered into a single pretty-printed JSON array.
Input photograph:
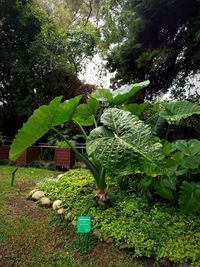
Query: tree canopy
[
  {"x": 159, "y": 42},
  {"x": 39, "y": 59}
]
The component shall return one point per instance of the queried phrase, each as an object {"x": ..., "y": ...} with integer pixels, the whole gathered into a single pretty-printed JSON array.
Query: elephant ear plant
[{"x": 124, "y": 137}]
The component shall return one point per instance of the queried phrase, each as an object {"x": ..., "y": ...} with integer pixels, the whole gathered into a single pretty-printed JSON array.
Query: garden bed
[{"x": 155, "y": 231}]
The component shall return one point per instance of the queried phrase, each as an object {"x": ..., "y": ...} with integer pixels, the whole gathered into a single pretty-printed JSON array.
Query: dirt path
[{"x": 29, "y": 233}]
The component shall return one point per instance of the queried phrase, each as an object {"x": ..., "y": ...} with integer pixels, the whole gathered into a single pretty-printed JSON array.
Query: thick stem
[
  {"x": 82, "y": 130},
  {"x": 103, "y": 196},
  {"x": 95, "y": 122},
  {"x": 98, "y": 172},
  {"x": 88, "y": 163}
]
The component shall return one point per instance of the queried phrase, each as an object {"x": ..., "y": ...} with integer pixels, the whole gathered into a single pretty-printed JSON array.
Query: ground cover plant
[{"x": 130, "y": 221}]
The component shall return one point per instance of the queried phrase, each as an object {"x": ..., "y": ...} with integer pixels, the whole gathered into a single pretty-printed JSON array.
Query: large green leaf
[
  {"x": 194, "y": 146},
  {"x": 124, "y": 143},
  {"x": 190, "y": 148},
  {"x": 157, "y": 123},
  {"x": 176, "y": 111},
  {"x": 85, "y": 113},
  {"x": 42, "y": 120},
  {"x": 145, "y": 182},
  {"x": 136, "y": 109},
  {"x": 83, "y": 116},
  {"x": 103, "y": 95},
  {"x": 122, "y": 95},
  {"x": 119, "y": 96},
  {"x": 190, "y": 197},
  {"x": 93, "y": 105},
  {"x": 165, "y": 187}
]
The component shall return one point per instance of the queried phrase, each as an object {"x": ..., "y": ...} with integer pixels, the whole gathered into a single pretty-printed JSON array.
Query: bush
[{"x": 156, "y": 230}]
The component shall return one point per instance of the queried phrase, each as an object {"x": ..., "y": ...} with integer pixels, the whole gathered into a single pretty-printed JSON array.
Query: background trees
[
  {"x": 160, "y": 41},
  {"x": 39, "y": 60},
  {"x": 43, "y": 45}
]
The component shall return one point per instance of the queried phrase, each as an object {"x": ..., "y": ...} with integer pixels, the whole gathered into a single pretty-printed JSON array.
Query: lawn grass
[{"x": 30, "y": 237}]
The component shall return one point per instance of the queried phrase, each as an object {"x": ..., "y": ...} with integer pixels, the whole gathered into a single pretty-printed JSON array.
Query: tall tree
[
  {"x": 159, "y": 41},
  {"x": 39, "y": 60}
]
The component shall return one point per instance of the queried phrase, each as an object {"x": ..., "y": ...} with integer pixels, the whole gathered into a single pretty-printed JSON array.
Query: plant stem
[
  {"x": 95, "y": 122},
  {"x": 82, "y": 130},
  {"x": 88, "y": 163}
]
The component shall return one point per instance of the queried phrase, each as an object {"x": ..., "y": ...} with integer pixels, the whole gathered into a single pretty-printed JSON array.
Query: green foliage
[
  {"x": 190, "y": 197},
  {"x": 119, "y": 96},
  {"x": 85, "y": 113},
  {"x": 56, "y": 113},
  {"x": 135, "y": 109},
  {"x": 151, "y": 230},
  {"x": 176, "y": 111},
  {"x": 120, "y": 146},
  {"x": 141, "y": 29},
  {"x": 39, "y": 59},
  {"x": 78, "y": 186},
  {"x": 43, "y": 119},
  {"x": 165, "y": 187},
  {"x": 63, "y": 144},
  {"x": 123, "y": 145},
  {"x": 122, "y": 95},
  {"x": 189, "y": 148},
  {"x": 103, "y": 95}
]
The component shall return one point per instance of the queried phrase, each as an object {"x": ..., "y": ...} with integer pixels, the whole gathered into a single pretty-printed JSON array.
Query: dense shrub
[{"x": 154, "y": 230}]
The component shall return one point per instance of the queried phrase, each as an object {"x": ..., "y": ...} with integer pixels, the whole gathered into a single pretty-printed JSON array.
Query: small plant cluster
[{"x": 130, "y": 221}]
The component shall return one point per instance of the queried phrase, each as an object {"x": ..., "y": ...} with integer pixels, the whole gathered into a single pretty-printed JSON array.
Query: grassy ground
[{"x": 30, "y": 237}]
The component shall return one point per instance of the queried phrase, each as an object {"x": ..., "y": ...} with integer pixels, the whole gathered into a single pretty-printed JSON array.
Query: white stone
[
  {"x": 60, "y": 175},
  {"x": 68, "y": 217},
  {"x": 37, "y": 195},
  {"x": 74, "y": 223},
  {"x": 45, "y": 201},
  {"x": 61, "y": 211},
  {"x": 57, "y": 204}
]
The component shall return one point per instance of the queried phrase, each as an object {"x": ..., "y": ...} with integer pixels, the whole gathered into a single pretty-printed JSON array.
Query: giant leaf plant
[
  {"x": 124, "y": 143},
  {"x": 48, "y": 117}
]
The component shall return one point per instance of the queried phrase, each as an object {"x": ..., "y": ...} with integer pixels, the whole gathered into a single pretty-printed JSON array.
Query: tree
[
  {"x": 160, "y": 43},
  {"x": 38, "y": 61}
]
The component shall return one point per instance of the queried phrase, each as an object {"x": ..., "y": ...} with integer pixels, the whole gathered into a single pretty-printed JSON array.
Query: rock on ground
[
  {"x": 68, "y": 217},
  {"x": 74, "y": 223},
  {"x": 56, "y": 204},
  {"x": 37, "y": 195},
  {"x": 45, "y": 202},
  {"x": 60, "y": 175},
  {"x": 61, "y": 211}
]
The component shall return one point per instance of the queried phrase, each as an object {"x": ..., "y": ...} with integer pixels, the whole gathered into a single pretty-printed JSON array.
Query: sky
[{"x": 93, "y": 72}]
